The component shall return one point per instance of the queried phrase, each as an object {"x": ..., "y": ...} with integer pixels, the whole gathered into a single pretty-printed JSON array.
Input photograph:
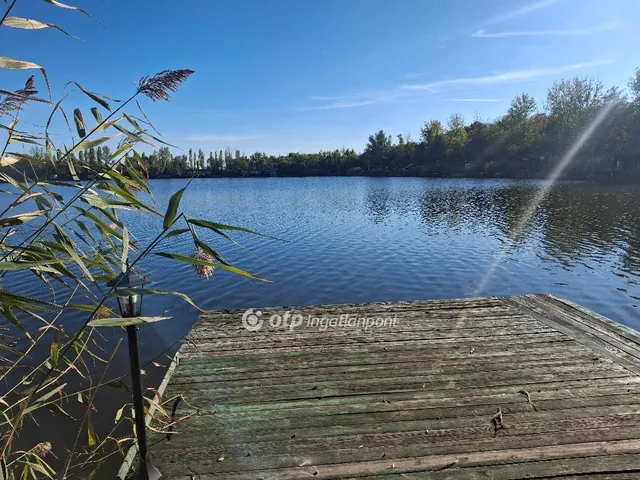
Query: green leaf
[
  {"x": 85, "y": 230},
  {"x": 13, "y": 320},
  {"x": 65, "y": 242},
  {"x": 172, "y": 209},
  {"x": 91, "y": 436},
  {"x": 136, "y": 136},
  {"x": 96, "y": 98},
  {"x": 195, "y": 261},
  {"x": 68, "y": 7},
  {"x": 149, "y": 291},
  {"x": 72, "y": 168},
  {"x": 29, "y": 24},
  {"x": 96, "y": 114},
  {"x": 136, "y": 183},
  {"x": 132, "y": 121},
  {"x": 6, "y": 161},
  {"x": 101, "y": 224},
  {"x": 16, "y": 265},
  {"x": 124, "y": 322},
  {"x": 176, "y": 232},
  {"x": 106, "y": 124},
  {"x": 119, "y": 413},
  {"x": 87, "y": 144},
  {"x": 80, "y": 125},
  {"x": 101, "y": 202},
  {"x": 125, "y": 248},
  {"x": 6, "y": 62},
  {"x": 39, "y": 403},
  {"x": 130, "y": 199},
  {"x": 24, "y": 198},
  {"x": 118, "y": 383},
  {"x": 54, "y": 350},
  {"x": 216, "y": 227},
  {"x": 206, "y": 248},
  {"x": 14, "y": 220}
]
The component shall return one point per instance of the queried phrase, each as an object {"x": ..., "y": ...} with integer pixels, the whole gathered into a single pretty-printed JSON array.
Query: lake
[
  {"x": 359, "y": 239},
  {"x": 362, "y": 239}
]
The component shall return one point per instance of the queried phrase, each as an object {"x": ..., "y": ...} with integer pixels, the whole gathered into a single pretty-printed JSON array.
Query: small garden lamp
[{"x": 130, "y": 305}]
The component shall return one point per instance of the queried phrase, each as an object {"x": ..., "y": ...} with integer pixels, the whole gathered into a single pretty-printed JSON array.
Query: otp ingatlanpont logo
[{"x": 252, "y": 321}]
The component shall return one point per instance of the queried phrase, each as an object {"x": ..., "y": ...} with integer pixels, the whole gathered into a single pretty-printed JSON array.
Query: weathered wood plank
[
  {"x": 444, "y": 438},
  {"x": 522, "y": 461},
  {"x": 414, "y": 399},
  {"x": 623, "y": 352}
]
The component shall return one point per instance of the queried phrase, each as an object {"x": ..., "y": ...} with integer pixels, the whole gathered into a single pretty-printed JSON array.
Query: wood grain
[{"x": 410, "y": 400}]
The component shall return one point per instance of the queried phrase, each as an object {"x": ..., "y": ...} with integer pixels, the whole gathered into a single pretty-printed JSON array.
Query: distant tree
[
  {"x": 191, "y": 162},
  {"x": 164, "y": 159},
  {"x": 456, "y": 138},
  {"x": 200, "y": 159},
  {"x": 522, "y": 107},
  {"x": 92, "y": 161},
  {"x": 570, "y": 105},
  {"x": 106, "y": 154},
  {"x": 99, "y": 159},
  {"x": 519, "y": 131},
  {"x": 378, "y": 150},
  {"x": 634, "y": 86},
  {"x": 431, "y": 131}
]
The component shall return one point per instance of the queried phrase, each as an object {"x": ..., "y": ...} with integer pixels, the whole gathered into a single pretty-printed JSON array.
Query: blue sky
[{"x": 306, "y": 75}]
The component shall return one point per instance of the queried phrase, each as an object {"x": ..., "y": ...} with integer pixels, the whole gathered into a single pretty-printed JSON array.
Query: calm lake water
[
  {"x": 384, "y": 239},
  {"x": 358, "y": 239}
]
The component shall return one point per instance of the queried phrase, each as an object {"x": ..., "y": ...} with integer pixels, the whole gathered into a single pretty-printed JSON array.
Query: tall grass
[{"x": 72, "y": 245}]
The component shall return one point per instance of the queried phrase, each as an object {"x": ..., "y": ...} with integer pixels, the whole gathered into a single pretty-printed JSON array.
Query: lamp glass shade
[{"x": 129, "y": 305}]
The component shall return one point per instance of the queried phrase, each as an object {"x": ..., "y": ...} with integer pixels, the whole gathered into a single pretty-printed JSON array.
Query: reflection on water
[{"x": 362, "y": 239}]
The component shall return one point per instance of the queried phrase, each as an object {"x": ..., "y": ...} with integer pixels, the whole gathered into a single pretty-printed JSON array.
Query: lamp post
[{"x": 130, "y": 305}]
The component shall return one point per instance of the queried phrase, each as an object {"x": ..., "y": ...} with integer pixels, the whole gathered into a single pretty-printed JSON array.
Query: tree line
[{"x": 528, "y": 141}]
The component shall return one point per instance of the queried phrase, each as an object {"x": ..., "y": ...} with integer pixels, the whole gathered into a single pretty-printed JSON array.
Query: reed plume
[
  {"x": 14, "y": 101},
  {"x": 158, "y": 86},
  {"x": 203, "y": 271}
]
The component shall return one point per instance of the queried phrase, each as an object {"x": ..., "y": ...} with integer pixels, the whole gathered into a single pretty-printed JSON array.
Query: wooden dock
[{"x": 487, "y": 388}]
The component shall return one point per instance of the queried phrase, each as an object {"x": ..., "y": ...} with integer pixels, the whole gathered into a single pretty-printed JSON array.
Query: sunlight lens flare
[{"x": 544, "y": 191}]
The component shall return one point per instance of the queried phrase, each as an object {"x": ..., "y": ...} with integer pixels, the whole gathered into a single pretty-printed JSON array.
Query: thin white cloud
[
  {"x": 415, "y": 75},
  {"x": 502, "y": 78},
  {"x": 206, "y": 137},
  {"x": 338, "y": 105},
  {"x": 532, "y": 7},
  {"x": 475, "y": 100},
  {"x": 328, "y": 99},
  {"x": 547, "y": 33}
]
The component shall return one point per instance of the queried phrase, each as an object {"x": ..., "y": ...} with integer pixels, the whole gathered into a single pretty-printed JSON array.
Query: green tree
[
  {"x": 432, "y": 148},
  {"x": 164, "y": 158},
  {"x": 378, "y": 150},
  {"x": 99, "y": 160},
  {"x": 570, "y": 105}
]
